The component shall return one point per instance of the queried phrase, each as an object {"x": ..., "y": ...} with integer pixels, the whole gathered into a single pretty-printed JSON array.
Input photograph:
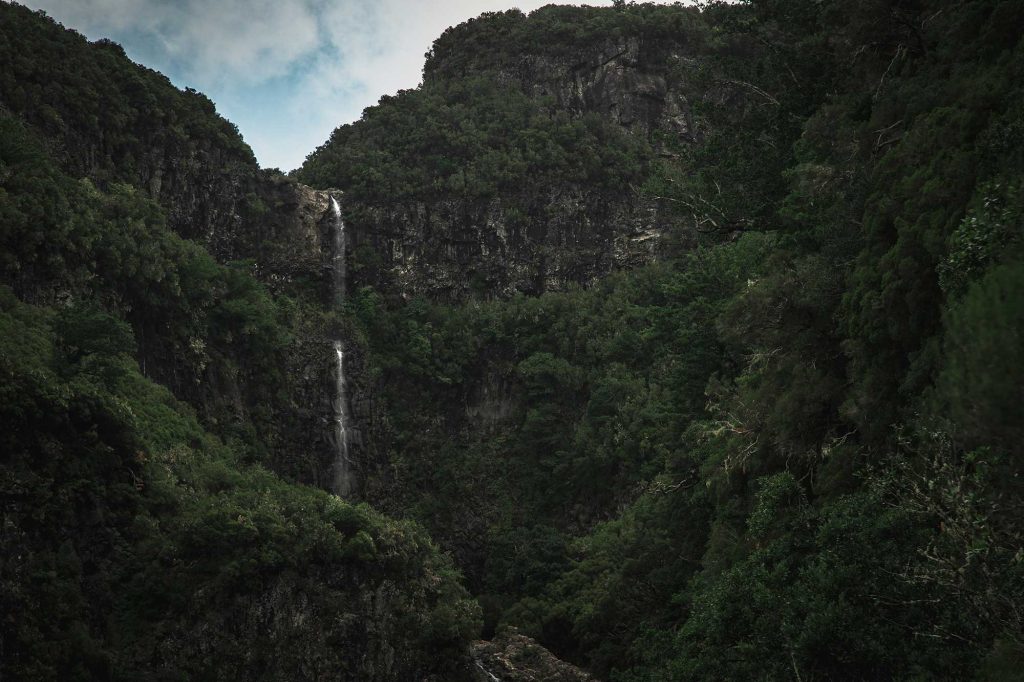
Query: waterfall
[
  {"x": 338, "y": 256},
  {"x": 341, "y": 482}
]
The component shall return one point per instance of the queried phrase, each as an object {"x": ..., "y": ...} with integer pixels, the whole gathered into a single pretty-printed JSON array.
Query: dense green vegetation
[
  {"x": 141, "y": 197},
  {"x": 470, "y": 138},
  {"x": 133, "y": 539},
  {"x": 196, "y": 322},
  {"x": 497, "y": 40},
  {"x": 470, "y": 132},
  {"x": 139, "y": 540},
  {"x": 792, "y": 453},
  {"x": 106, "y": 109}
]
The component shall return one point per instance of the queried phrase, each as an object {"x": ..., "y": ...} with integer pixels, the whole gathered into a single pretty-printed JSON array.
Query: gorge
[{"x": 642, "y": 342}]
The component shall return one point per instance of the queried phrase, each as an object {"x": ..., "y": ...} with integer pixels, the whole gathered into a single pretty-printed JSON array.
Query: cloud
[
  {"x": 230, "y": 41},
  {"x": 287, "y": 72}
]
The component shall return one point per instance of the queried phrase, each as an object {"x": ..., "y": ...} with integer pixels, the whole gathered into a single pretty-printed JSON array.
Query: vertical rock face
[
  {"x": 585, "y": 62},
  {"x": 451, "y": 249},
  {"x": 172, "y": 145},
  {"x": 283, "y": 231},
  {"x": 529, "y": 239},
  {"x": 113, "y": 121},
  {"x": 626, "y": 81}
]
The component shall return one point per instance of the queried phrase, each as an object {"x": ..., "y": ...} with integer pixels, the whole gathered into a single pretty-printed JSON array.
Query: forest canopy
[{"x": 788, "y": 447}]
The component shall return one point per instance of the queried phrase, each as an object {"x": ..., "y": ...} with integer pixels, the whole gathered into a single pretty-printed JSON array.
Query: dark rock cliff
[
  {"x": 542, "y": 233},
  {"x": 537, "y": 236},
  {"x": 634, "y": 81},
  {"x": 534, "y": 238},
  {"x": 108, "y": 119},
  {"x": 451, "y": 249},
  {"x": 568, "y": 233},
  {"x": 103, "y": 118}
]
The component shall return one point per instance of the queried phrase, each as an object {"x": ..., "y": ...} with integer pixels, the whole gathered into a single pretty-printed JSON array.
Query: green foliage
[
  {"x": 792, "y": 452},
  {"x": 980, "y": 384},
  {"x": 987, "y": 234},
  {"x": 680, "y": 473},
  {"x": 972, "y": 502},
  {"x": 138, "y": 544},
  {"x": 194, "y": 319},
  {"x": 472, "y": 138},
  {"x": 945, "y": 120},
  {"x": 586, "y": 396},
  {"x": 498, "y": 40},
  {"x": 129, "y": 530},
  {"x": 109, "y": 112},
  {"x": 816, "y": 598}
]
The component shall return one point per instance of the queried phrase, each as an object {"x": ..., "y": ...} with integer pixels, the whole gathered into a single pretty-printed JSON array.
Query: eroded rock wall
[{"x": 452, "y": 249}]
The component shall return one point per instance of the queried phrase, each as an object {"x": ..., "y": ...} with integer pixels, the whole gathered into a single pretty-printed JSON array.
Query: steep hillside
[
  {"x": 115, "y": 121},
  {"x": 692, "y": 338},
  {"x": 143, "y": 537},
  {"x": 135, "y": 543},
  {"x": 135, "y": 137},
  {"x": 510, "y": 174},
  {"x": 777, "y": 451}
]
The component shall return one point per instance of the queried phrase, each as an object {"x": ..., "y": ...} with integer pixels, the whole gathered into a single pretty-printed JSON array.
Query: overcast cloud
[{"x": 287, "y": 72}]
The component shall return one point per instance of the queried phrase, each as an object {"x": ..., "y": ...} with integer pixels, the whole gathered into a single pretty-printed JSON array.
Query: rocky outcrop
[
  {"x": 512, "y": 657},
  {"x": 452, "y": 249},
  {"x": 625, "y": 81},
  {"x": 289, "y": 241},
  {"x": 108, "y": 119},
  {"x": 584, "y": 62}
]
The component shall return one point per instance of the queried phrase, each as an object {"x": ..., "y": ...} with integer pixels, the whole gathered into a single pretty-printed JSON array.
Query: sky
[{"x": 286, "y": 72}]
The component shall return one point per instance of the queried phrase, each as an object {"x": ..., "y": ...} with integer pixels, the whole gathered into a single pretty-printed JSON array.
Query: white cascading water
[
  {"x": 342, "y": 474},
  {"x": 338, "y": 256}
]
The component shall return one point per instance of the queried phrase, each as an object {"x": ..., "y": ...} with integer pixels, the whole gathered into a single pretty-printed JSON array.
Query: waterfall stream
[{"x": 341, "y": 482}]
